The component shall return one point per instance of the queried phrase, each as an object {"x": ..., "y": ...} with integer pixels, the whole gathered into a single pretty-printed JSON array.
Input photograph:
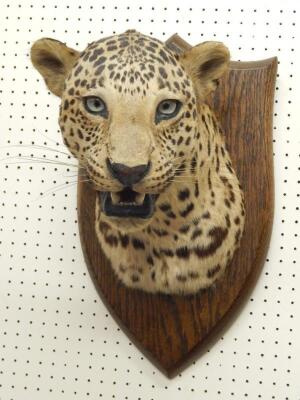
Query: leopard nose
[{"x": 128, "y": 175}]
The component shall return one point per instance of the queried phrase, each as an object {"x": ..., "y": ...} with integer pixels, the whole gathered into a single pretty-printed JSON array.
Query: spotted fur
[{"x": 199, "y": 214}]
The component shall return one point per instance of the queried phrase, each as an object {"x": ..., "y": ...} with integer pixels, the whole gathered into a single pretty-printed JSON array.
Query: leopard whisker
[
  {"x": 80, "y": 173},
  {"x": 52, "y": 140},
  {"x": 60, "y": 187},
  {"x": 38, "y": 162},
  {"x": 41, "y": 147},
  {"x": 183, "y": 179},
  {"x": 56, "y": 190},
  {"x": 34, "y": 159}
]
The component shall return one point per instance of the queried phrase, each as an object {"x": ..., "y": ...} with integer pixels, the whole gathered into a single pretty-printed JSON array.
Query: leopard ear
[
  {"x": 206, "y": 63},
  {"x": 54, "y": 61}
]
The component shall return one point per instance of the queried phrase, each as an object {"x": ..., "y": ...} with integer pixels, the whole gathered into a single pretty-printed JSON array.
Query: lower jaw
[{"x": 142, "y": 211}]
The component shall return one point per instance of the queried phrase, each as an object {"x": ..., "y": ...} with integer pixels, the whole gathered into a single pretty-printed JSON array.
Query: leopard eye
[
  {"x": 167, "y": 109},
  {"x": 95, "y": 105}
]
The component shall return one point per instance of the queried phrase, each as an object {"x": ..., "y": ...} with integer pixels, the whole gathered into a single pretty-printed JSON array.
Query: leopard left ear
[{"x": 206, "y": 63}]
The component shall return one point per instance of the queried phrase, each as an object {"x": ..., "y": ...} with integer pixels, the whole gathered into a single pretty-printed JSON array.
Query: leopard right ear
[{"x": 54, "y": 61}]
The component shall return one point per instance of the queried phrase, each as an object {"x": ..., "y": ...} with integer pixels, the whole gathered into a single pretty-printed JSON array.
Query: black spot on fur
[
  {"x": 205, "y": 123},
  {"x": 183, "y": 252},
  {"x": 111, "y": 240},
  {"x": 187, "y": 210},
  {"x": 160, "y": 232},
  {"x": 237, "y": 220},
  {"x": 96, "y": 53},
  {"x": 197, "y": 232},
  {"x": 163, "y": 72},
  {"x": 124, "y": 239},
  {"x": 193, "y": 275},
  {"x": 183, "y": 194},
  {"x": 66, "y": 104},
  {"x": 78, "y": 70},
  {"x": 165, "y": 207},
  {"x": 180, "y": 140},
  {"x": 188, "y": 140},
  {"x": 163, "y": 55},
  {"x": 135, "y": 278},
  {"x": 227, "y": 203},
  {"x": 156, "y": 253},
  {"x": 231, "y": 197},
  {"x": 218, "y": 236},
  {"x": 138, "y": 244},
  {"x": 170, "y": 214},
  {"x": 150, "y": 260},
  {"x": 181, "y": 278},
  {"x": 193, "y": 164},
  {"x": 213, "y": 271},
  {"x": 104, "y": 227},
  {"x": 196, "y": 189},
  {"x": 184, "y": 228},
  {"x": 167, "y": 252},
  {"x": 99, "y": 70},
  {"x": 228, "y": 223},
  {"x": 237, "y": 236},
  {"x": 206, "y": 215},
  {"x": 111, "y": 48}
]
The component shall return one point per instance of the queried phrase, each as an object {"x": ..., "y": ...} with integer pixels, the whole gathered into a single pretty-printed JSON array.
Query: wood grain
[{"x": 172, "y": 330}]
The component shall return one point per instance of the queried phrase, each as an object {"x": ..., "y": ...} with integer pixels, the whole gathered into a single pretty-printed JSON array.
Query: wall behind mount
[{"x": 57, "y": 340}]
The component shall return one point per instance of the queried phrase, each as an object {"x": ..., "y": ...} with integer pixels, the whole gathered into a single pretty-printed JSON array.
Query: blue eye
[
  {"x": 167, "y": 109},
  {"x": 95, "y": 105}
]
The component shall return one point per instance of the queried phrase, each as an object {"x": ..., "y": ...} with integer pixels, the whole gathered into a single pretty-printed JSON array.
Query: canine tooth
[
  {"x": 139, "y": 198},
  {"x": 114, "y": 198}
]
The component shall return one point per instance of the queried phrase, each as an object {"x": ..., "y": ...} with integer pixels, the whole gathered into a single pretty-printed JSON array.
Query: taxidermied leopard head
[{"x": 129, "y": 114}]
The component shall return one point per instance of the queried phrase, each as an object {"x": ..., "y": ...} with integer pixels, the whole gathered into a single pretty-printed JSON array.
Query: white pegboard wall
[{"x": 57, "y": 340}]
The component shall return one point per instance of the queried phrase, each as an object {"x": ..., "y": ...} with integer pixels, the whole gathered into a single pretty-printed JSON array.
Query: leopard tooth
[
  {"x": 139, "y": 198},
  {"x": 115, "y": 198}
]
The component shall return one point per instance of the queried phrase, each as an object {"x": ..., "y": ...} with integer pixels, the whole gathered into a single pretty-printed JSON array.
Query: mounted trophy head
[
  {"x": 163, "y": 201},
  {"x": 170, "y": 210}
]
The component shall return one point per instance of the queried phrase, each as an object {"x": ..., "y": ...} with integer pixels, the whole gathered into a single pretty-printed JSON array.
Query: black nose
[{"x": 128, "y": 175}]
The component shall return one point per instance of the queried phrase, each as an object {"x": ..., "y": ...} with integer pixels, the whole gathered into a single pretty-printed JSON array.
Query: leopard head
[{"x": 129, "y": 113}]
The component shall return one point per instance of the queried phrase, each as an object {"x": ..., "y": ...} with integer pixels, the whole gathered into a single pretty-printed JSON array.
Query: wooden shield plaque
[{"x": 170, "y": 329}]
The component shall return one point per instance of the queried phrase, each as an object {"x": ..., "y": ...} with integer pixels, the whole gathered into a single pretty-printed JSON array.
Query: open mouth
[{"x": 127, "y": 203}]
